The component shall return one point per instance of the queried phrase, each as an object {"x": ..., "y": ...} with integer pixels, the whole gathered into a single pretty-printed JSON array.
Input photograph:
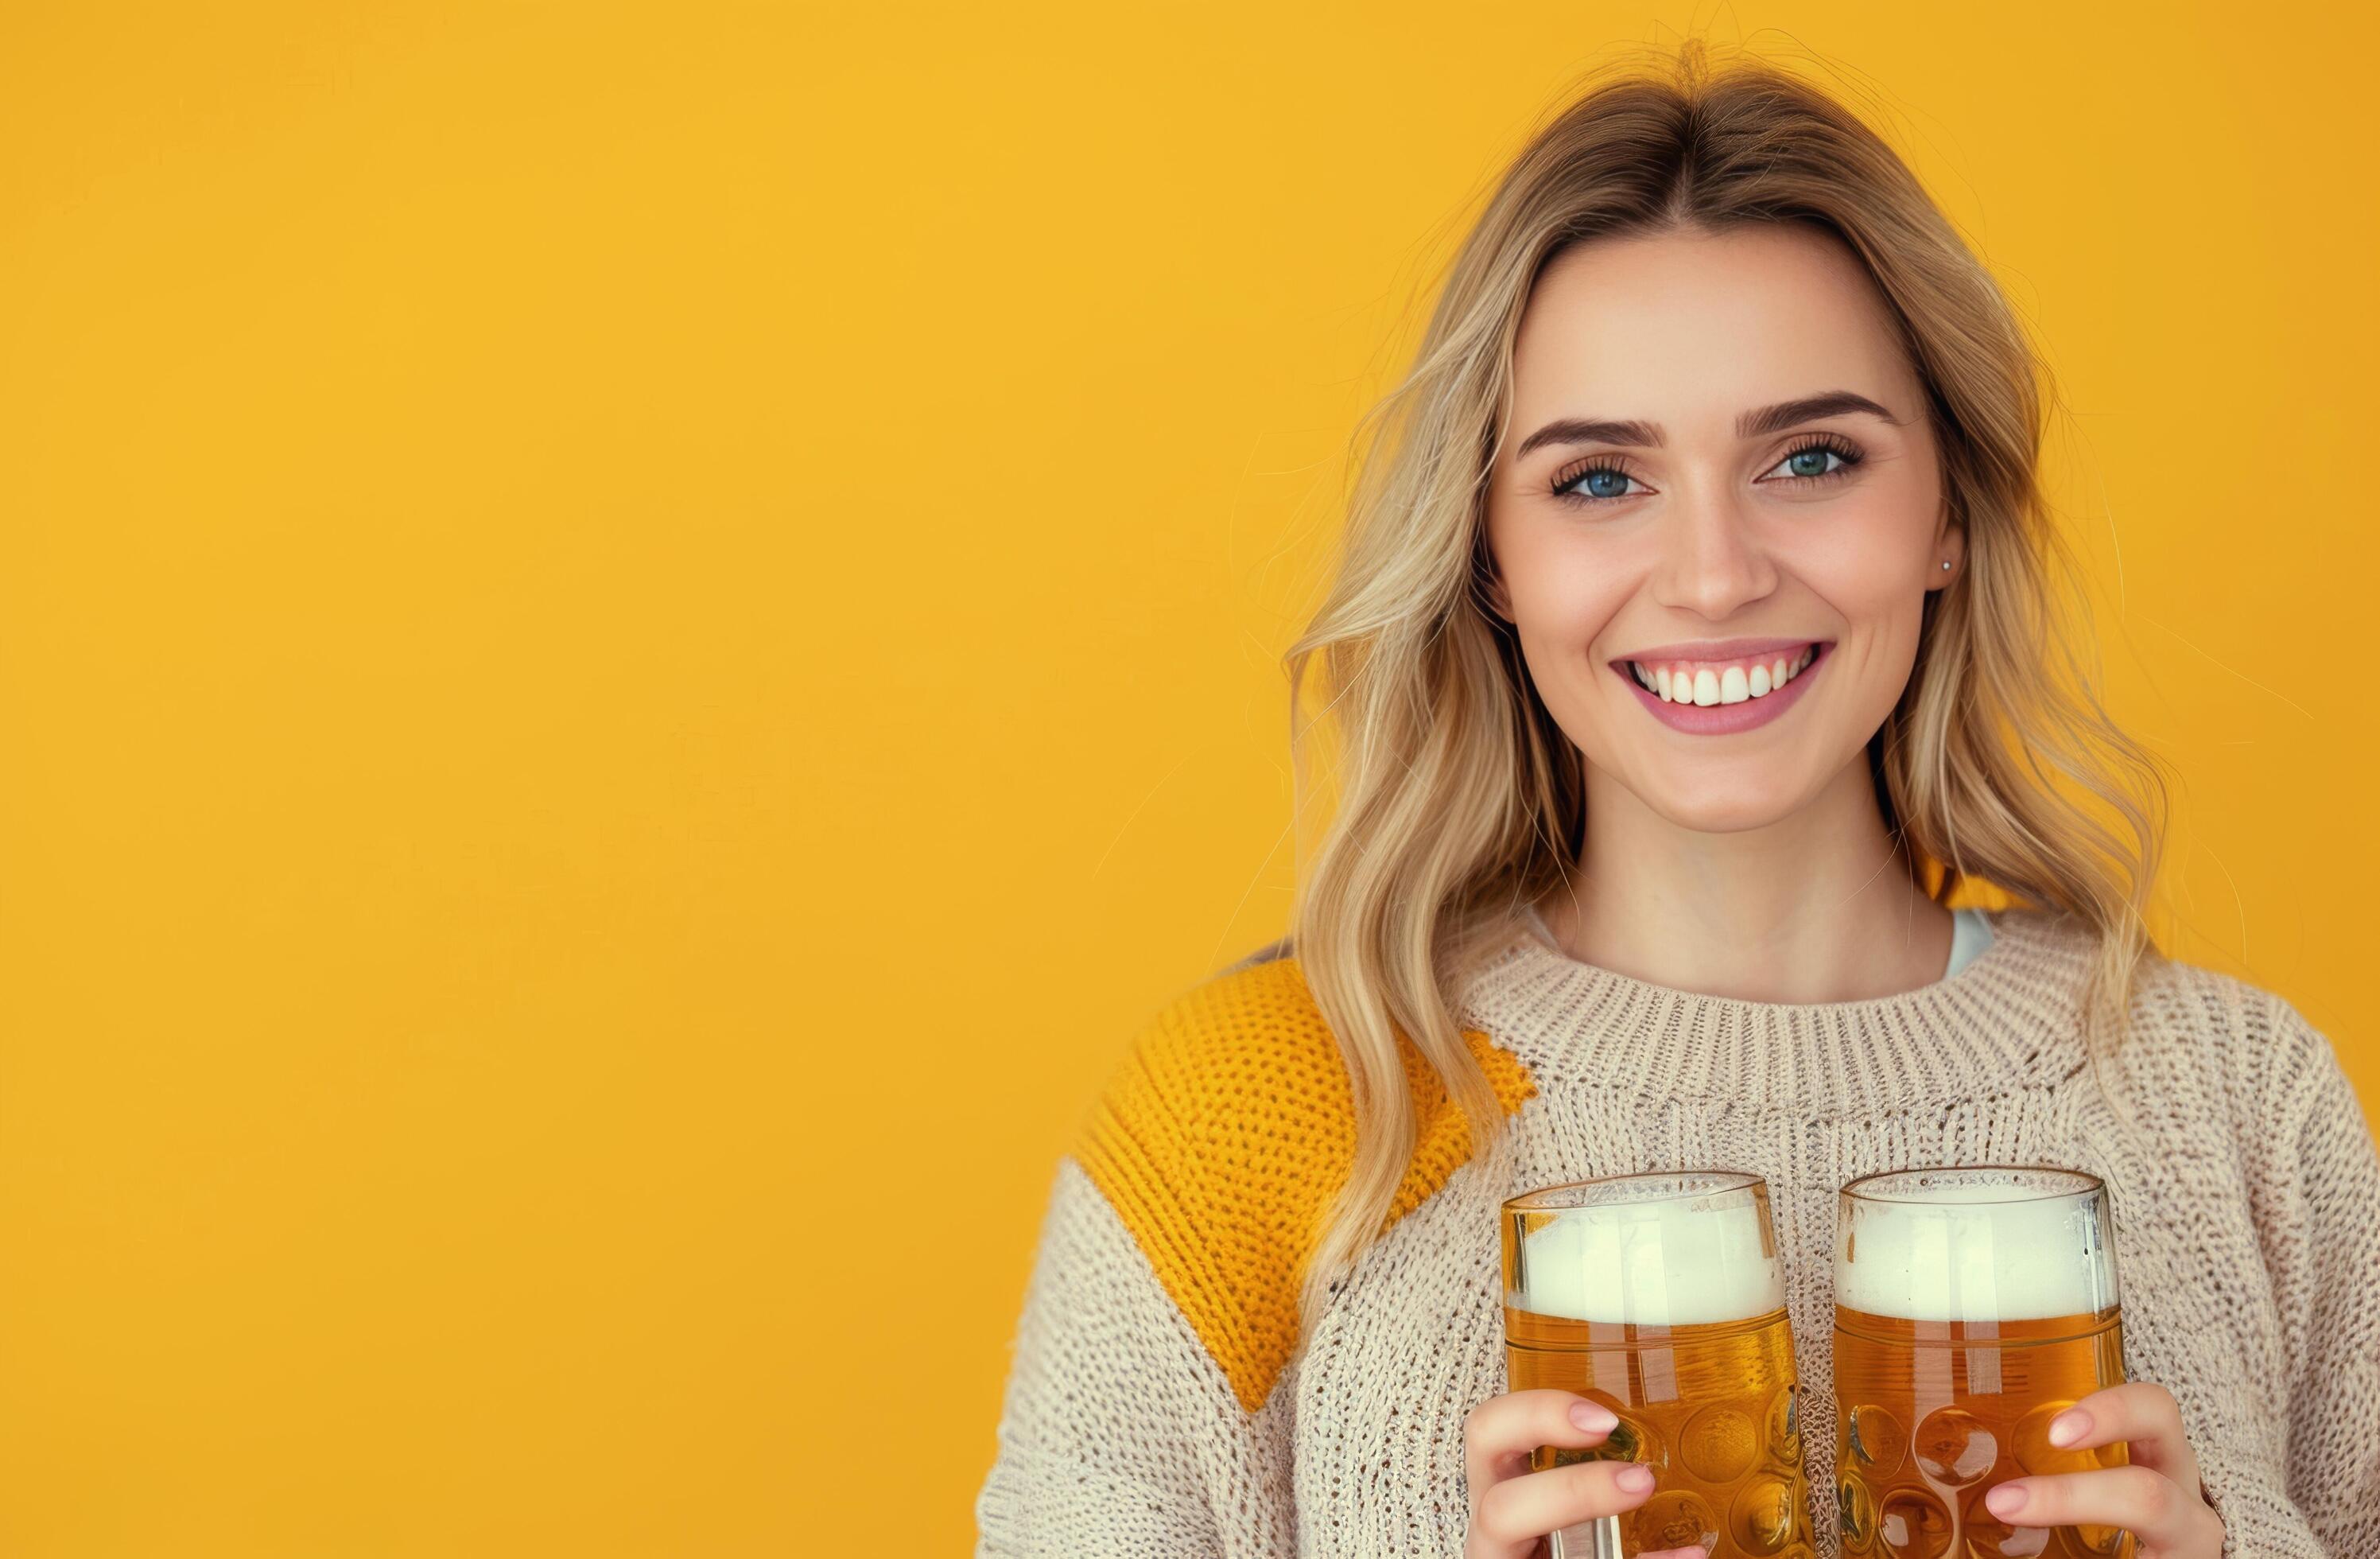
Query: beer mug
[
  {"x": 1661, "y": 1296},
  {"x": 1972, "y": 1306}
]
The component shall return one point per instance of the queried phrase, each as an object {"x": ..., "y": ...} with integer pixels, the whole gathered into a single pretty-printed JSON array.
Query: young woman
[{"x": 1695, "y": 637}]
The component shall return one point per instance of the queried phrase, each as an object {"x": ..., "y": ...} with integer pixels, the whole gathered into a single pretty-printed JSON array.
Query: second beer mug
[
  {"x": 1972, "y": 1306},
  {"x": 1660, "y": 1296}
]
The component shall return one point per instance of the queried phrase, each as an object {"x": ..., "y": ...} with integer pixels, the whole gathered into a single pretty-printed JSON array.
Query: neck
[{"x": 1819, "y": 906}]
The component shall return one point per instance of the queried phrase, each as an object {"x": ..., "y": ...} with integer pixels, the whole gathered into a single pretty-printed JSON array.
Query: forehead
[{"x": 1688, "y": 330}]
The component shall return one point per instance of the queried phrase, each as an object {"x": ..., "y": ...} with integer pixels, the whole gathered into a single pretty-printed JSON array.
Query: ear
[{"x": 1949, "y": 546}]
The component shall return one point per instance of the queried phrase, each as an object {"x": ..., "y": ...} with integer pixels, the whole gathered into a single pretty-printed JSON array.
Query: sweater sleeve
[
  {"x": 2322, "y": 1244},
  {"x": 1118, "y": 1433}
]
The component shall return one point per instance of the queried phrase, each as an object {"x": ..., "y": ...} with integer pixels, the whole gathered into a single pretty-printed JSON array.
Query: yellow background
[{"x": 635, "y": 641}]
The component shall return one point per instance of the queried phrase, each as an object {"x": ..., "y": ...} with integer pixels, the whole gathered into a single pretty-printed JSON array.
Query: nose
[{"x": 1712, "y": 560}]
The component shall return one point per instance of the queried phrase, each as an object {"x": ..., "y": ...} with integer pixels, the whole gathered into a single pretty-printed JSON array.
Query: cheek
[
  {"x": 1868, "y": 564},
  {"x": 1563, "y": 606},
  {"x": 1565, "y": 584},
  {"x": 1569, "y": 598},
  {"x": 1868, "y": 551}
]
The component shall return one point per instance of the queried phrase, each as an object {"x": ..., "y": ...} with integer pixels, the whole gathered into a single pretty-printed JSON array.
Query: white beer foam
[
  {"x": 1652, "y": 1264},
  {"x": 1965, "y": 1256}
]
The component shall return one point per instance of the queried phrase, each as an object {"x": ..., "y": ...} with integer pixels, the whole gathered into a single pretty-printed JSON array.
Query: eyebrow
[{"x": 1752, "y": 424}]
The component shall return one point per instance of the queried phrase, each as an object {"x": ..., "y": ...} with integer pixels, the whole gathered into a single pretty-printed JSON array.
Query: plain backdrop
[{"x": 636, "y": 640}]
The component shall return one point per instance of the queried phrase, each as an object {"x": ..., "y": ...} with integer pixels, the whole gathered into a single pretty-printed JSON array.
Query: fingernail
[
  {"x": 1594, "y": 1417},
  {"x": 2069, "y": 1427},
  {"x": 2006, "y": 1500},
  {"x": 1633, "y": 1479}
]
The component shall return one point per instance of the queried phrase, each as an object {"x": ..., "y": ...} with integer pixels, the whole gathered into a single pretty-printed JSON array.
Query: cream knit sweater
[{"x": 1151, "y": 1408}]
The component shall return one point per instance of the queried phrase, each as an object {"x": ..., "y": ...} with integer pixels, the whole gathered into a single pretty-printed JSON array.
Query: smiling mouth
[{"x": 1738, "y": 680}]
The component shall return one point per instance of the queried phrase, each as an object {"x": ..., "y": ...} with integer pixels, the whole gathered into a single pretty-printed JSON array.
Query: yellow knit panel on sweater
[{"x": 1222, "y": 1139}]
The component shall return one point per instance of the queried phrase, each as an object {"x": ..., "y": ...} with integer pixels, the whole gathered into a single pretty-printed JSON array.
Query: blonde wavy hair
[{"x": 1455, "y": 800}]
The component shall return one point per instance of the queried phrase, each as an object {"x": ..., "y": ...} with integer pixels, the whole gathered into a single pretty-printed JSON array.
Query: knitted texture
[
  {"x": 1223, "y": 1136},
  {"x": 1152, "y": 1407}
]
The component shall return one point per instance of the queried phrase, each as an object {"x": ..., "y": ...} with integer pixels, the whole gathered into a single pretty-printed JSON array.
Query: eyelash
[{"x": 1848, "y": 454}]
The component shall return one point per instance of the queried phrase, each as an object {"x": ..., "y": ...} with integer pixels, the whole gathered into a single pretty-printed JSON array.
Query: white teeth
[{"x": 1734, "y": 685}]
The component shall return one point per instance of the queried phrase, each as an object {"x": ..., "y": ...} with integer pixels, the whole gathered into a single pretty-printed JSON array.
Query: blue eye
[
  {"x": 1801, "y": 461},
  {"x": 1605, "y": 480},
  {"x": 1598, "y": 482}
]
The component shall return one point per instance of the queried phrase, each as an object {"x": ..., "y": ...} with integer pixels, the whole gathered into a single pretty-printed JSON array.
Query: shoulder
[
  {"x": 2174, "y": 1006},
  {"x": 1241, "y": 1078},
  {"x": 1222, "y": 1136},
  {"x": 1246, "y": 1045},
  {"x": 2249, "y": 1044},
  {"x": 2200, "y": 1045}
]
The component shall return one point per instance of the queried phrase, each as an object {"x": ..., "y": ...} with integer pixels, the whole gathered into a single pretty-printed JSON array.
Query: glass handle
[{"x": 1598, "y": 1538}]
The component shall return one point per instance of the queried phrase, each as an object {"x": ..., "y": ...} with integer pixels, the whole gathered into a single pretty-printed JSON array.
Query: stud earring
[{"x": 1946, "y": 562}]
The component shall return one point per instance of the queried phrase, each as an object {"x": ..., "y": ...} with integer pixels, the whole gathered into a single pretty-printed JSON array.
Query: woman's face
[{"x": 1714, "y": 537}]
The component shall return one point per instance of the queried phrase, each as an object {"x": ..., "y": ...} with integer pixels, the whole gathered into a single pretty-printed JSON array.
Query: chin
[{"x": 1731, "y": 809}]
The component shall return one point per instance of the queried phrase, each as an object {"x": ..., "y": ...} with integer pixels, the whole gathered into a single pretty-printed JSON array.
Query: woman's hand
[
  {"x": 1512, "y": 1509},
  {"x": 2158, "y": 1498}
]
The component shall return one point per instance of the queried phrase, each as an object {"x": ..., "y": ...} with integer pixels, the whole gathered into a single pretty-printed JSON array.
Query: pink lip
[{"x": 1720, "y": 719}]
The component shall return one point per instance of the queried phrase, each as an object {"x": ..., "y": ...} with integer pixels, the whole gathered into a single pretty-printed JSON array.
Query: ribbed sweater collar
[{"x": 2009, "y": 1019}]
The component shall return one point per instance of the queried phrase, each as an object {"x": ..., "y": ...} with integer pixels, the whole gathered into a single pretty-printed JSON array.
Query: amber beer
[
  {"x": 1972, "y": 1306},
  {"x": 1660, "y": 1296}
]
